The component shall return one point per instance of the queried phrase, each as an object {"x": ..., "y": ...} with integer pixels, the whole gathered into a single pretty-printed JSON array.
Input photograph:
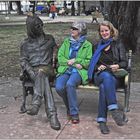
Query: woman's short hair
[
  {"x": 113, "y": 31},
  {"x": 81, "y": 26}
]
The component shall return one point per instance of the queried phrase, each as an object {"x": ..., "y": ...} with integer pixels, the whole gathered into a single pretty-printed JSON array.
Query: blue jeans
[
  {"x": 66, "y": 87},
  {"x": 107, "y": 94}
]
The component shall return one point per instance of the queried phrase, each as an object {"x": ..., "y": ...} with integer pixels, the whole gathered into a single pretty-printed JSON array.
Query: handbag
[{"x": 120, "y": 73}]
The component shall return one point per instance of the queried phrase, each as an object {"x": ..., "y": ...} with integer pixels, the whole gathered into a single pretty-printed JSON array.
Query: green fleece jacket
[{"x": 83, "y": 57}]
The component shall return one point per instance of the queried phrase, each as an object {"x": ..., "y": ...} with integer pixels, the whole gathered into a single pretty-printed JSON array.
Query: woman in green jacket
[{"x": 73, "y": 58}]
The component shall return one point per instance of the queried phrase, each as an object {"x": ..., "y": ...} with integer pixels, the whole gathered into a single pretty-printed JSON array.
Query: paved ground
[{"x": 22, "y": 126}]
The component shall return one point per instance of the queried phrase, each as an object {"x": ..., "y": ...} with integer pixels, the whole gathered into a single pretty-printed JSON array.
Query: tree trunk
[
  {"x": 78, "y": 14},
  {"x": 124, "y": 16},
  {"x": 10, "y": 6},
  {"x": 72, "y": 8},
  {"x": 84, "y": 7},
  {"x": 65, "y": 5},
  {"x": 66, "y": 9},
  {"x": 33, "y": 6},
  {"x": 19, "y": 8}
]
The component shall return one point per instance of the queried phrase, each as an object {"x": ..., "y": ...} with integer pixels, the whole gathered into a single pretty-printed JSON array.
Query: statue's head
[{"x": 34, "y": 26}]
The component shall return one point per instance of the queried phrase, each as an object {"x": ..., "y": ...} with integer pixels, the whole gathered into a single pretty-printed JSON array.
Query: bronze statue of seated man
[{"x": 36, "y": 59}]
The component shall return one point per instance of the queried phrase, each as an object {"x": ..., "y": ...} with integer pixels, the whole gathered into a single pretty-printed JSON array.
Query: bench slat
[{"x": 88, "y": 87}]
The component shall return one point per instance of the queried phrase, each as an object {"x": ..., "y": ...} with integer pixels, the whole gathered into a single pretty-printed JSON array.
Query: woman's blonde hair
[{"x": 113, "y": 31}]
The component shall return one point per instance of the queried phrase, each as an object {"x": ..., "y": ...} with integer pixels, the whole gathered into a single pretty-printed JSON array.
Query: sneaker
[
  {"x": 75, "y": 119},
  {"x": 118, "y": 116},
  {"x": 103, "y": 128}
]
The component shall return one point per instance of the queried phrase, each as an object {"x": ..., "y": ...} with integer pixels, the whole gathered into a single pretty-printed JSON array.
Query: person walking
[
  {"x": 95, "y": 15},
  {"x": 53, "y": 10}
]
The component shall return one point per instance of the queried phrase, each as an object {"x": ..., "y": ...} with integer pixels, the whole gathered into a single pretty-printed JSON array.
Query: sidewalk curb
[{"x": 21, "y": 20}]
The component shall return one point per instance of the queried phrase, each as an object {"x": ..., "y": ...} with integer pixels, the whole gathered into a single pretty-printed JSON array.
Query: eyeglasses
[
  {"x": 39, "y": 25},
  {"x": 73, "y": 28}
]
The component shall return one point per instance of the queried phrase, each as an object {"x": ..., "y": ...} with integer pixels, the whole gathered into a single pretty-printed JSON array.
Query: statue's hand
[{"x": 32, "y": 75}]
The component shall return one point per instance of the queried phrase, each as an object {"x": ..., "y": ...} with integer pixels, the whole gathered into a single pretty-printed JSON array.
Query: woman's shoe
[
  {"x": 75, "y": 119},
  {"x": 69, "y": 117},
  {"x": 118, "y": 116},
  {"x": 103, "y": 128}
]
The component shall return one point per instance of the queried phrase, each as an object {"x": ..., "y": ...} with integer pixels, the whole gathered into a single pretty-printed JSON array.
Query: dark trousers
[
  {"x": 53, "y": 15},
  {"x": 42, "y": 88}
]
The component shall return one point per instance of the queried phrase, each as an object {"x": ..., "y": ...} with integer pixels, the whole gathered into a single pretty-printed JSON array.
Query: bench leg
[{"x": 126, "y": 100}]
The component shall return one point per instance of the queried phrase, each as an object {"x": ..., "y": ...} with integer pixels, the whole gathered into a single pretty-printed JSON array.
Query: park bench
[{"x": 123, "y": 87}]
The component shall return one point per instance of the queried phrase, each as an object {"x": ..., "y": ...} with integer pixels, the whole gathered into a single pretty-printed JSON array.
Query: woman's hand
[
  {"x": 71, "y": 61},
  {"x": 78, "y": 66},
  {"x": 114, "y": 67},
  {"x": 101, "y": 67}
]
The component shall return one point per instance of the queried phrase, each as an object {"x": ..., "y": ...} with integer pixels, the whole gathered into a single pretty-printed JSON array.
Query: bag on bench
[{"x": 120, "y": 73}]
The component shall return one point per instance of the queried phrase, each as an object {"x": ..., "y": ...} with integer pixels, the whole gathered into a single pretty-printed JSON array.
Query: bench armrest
[
  {"x": 127, "y": 79},
  {"x": 129, "y": 61}
]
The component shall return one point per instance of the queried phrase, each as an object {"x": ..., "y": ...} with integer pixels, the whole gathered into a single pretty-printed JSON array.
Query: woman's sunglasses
[{"x": 73, "y": 28}]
